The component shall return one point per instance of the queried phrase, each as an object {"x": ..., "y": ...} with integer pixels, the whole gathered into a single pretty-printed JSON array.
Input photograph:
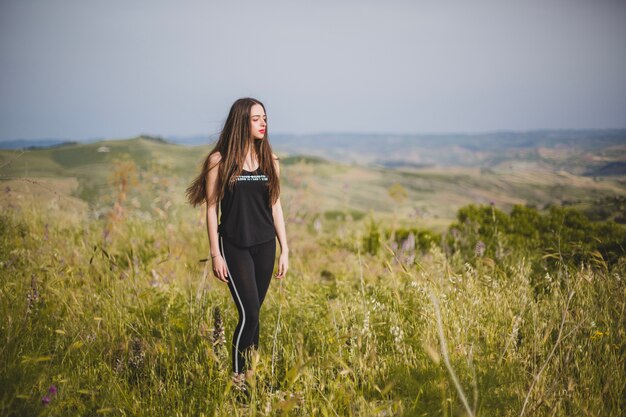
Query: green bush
[
  {"x": 561, "y": 236},
  {"x": 371, "y": 241},
  {"x": 424, "y": 239}
]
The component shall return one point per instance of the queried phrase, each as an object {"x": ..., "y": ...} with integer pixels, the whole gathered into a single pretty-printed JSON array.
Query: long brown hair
[{"x": 235, "y": 139}]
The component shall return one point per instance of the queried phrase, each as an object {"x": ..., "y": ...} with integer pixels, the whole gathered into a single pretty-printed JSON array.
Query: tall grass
[{"x": 121, "y": 318}]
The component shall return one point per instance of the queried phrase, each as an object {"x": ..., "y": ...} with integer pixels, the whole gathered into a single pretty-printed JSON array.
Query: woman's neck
[{"x": 250, "y": 162}]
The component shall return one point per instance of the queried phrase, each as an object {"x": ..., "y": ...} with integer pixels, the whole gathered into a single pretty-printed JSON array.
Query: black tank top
[{"x": 246, "y": 215}]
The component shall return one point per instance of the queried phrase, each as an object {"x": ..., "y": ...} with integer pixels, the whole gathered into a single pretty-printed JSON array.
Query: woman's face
[{"x": 258, "y": 121}]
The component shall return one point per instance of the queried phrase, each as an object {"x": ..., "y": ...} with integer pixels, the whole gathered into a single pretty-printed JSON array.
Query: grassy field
[{"x": 108, "y": 310}]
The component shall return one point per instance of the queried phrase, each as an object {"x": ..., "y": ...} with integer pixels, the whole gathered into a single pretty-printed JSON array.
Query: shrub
[{"x": 561, "y": 236}]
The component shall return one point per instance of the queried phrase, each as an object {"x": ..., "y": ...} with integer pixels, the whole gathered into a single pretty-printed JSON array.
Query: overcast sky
[{"x": 84, "y": 69}]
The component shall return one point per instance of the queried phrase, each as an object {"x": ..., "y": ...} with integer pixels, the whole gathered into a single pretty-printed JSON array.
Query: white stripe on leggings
[{"x": 243, "y": 312}]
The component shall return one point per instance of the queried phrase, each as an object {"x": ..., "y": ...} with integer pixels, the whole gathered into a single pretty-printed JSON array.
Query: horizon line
[{"x": 319, "y": 133}]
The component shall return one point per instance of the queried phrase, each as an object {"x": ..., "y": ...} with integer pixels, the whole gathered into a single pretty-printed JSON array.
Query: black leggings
[{"x": 249, "y": 274}]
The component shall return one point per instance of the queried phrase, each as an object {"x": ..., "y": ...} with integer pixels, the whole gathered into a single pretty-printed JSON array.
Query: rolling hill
[{"x": 312, "y": 186}]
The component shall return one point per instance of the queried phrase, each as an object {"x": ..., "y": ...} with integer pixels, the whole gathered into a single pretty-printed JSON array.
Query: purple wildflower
[
  {"x": 52, "y": 390},
  {"x": 479, "y": 249},
  {"x": 45, "y": 400},
  {"x": 219, "y": 338},
  {"x": 409, "y": 243},
  {"x": 33, "y": 295}
]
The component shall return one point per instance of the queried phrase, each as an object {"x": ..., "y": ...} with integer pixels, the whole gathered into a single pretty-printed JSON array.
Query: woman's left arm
[{"x": 279, "y": 225}]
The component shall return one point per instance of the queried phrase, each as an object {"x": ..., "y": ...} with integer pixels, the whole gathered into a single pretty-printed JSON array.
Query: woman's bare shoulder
[
  {"x": 275, "y": 160},
  {"x": 215, "y": 158}
]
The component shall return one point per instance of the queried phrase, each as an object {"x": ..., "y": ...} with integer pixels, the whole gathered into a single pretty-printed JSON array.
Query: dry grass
[{"x": 122, "y": 323}]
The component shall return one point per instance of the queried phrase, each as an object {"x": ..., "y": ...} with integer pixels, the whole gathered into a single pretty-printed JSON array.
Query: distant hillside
[
  {"x": 576, "y": 151},
  {"x": 610, "y": 169},
  {"x": 581, "y": 152},
  {"x": 312, "y": 186},
  {"x": 31, "y": 143},
  {"x": 92, "y": 163}
]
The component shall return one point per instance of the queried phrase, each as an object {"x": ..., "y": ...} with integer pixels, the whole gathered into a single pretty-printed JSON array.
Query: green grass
[
  {"x": 93, "y": 169},
  {"x": 119, "y": 313},
  {"x": 120, "y": 317}
]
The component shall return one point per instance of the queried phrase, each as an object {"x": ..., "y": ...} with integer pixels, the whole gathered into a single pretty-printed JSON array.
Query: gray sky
[{"x": 84, "y": 69}]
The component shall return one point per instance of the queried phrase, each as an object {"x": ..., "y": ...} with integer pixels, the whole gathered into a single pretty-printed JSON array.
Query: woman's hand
[
  {"x": 283, "y": 265},
  {"x": 219, "y": 268}
]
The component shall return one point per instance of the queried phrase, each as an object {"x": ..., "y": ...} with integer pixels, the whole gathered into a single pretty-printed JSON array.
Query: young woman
[{"x": 239, "y": 180}]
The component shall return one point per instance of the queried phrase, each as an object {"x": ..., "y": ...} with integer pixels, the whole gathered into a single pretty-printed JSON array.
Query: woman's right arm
[{"x": 219, "y": 265}]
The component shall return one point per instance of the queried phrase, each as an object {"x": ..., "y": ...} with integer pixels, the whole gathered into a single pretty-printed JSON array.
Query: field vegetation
[{"x": 389, "y": 308}]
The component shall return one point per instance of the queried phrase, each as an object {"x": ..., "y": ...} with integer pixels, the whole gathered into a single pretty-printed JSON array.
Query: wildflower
[
  {"x": 409, "y": 243},
  {"x": 240, "y": 386},
  {"x": 33, "y": 295},
  {"x": 52, "y": 390},
  {"x": 397, "y": 333},
  {"x": 377, "y": 305},
  {"x": 119, "y": 365},
  {"x": 366, "y": 324},
  {"x": 598, "y": 334},
  {"x": 156, "y": 278},
  {"x": 45, "y": 400},
  {"x": 479, "y": 249},
  {"x": 219, "y": 338},
  {"x": 137, "y": 354},
  {"x": 317, "y": 225}
]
